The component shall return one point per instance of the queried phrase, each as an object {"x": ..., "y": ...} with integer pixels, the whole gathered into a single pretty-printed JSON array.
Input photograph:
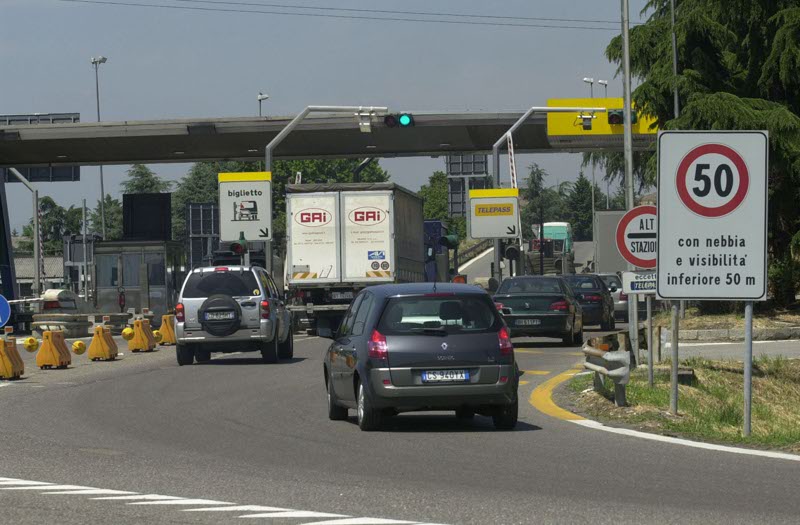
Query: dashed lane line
[{"x": 202, "y": 505}]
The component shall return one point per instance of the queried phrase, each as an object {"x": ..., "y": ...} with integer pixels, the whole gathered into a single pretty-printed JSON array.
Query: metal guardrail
[
  {"x": 473, "y": 251},
  {"x": 610, "y": 356}
]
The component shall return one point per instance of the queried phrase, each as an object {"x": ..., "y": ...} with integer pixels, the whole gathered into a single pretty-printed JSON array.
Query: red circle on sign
[
  {"x": 683, "y": 171},
  {"x": 622, "y": 246}
]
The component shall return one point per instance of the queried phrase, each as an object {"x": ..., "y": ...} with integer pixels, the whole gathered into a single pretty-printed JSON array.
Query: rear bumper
[
  {"x": 592, "y": 313},
  {"x": 444, "y": 396},
  {"x": 263, "y": 334},
  {"x": 549, "y": 325}
]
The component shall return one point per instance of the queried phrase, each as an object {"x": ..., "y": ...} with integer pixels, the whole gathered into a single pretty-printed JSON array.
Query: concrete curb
[{"x": 734, "y": 334}]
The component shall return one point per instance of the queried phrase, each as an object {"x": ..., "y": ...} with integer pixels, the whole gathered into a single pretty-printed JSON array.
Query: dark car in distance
[
  {"x": 421, "y": 346},
  {"x": 595, "y": 299},
  {"x": 540, "y": 306}
]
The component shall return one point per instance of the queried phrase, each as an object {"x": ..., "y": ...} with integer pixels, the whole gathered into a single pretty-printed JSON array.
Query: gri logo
[
  {"x": 367, "y": 215},
  {"x": 312, "y": 217}
]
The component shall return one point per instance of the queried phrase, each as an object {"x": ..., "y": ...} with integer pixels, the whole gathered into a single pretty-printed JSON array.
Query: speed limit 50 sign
[{"x": 712, "y": 215}]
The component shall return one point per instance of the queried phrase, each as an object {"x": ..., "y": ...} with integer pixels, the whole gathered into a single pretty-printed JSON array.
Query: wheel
[
  {"x": 185, "y": 354},
  {"x": 465, "y": 414},
  {"x": 286, "y": 349},
  {"x": 269, "y": 351},
  {"x": 202, "y": 356},
  {"x": 613, "y": 323},
  {"x": 605, "y": 324},
  {"x": 368, "y": 417},
  {"x": 335, "y": 412},
  {"x": 578, "y": 338},
  {"x": 506, "y": 416}
]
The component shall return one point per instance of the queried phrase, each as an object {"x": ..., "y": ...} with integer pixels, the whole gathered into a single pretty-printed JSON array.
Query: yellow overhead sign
[
  {"x": 494, "y": 192},
  {"x": 571, "y": 124},
  {"x": 245, "y": 176}
]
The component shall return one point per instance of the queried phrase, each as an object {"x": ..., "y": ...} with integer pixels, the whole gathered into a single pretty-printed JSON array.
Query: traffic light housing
[
  {"x": 512, "y": 251},
  {"x": 616, "y": 117},
  {"x": 449, "y": 241},
  {"x": 399, "y": 120},
  {"x": 239, "y": 247}
]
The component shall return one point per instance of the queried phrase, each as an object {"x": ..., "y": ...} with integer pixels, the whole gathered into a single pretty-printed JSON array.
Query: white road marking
[
  {"x": 22, "y": 482},
  {"x": 89, "y": 492},
  {"x": 239, "y": 508},
  {"x": 4, "y": 384},
  {"x": 149, "y": 497},
  {"x": 474, "y": 259},
  {"x": 182, "y": 501},
  {"x": 686, "y": 442},
  {"x": 362, "y": 521},
  {"x": 47, "y": 487},
  {"x": 294, "y": 514}
]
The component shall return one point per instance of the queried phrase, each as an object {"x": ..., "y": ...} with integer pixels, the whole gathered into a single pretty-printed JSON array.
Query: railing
[
  {"x": 609, "y": 356},
  {"x": 473, "y": 251}
]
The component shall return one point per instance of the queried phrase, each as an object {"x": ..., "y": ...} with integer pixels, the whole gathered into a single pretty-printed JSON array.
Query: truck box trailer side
[{"x": 313, "y": 240}]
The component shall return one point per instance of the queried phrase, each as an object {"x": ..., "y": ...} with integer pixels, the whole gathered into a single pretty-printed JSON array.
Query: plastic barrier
[
  {"x": 103, "y": 347},
  {"x": 143, "y": 340},
  {"x": 168, "y": 330},
  {"x": 54, "y": 352},
  {"x": 11, "y": 365}
]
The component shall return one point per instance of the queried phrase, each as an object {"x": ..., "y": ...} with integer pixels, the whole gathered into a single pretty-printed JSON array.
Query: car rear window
[
  {"x": 582, "y": 282},
  {"x": 611, "y": 280},
  {"x": 452, "y": 314},
  {"x": 535, "y": 285},
  {"x": 235, "y": 284}
]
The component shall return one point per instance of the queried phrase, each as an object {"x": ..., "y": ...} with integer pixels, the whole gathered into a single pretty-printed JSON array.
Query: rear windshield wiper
[{"x": 434, "y": 331}]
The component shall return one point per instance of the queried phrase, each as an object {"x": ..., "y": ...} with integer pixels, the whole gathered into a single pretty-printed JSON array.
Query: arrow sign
[
  {"x": 511, "y": 230},
  {"x": 264, "y": 233}
]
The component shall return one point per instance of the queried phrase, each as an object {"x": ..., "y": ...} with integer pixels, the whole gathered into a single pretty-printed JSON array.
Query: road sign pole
[
  {"x": 673, "y": 397},
  {"x": 748, "y": 366},
  {"x": 649, "y": 300}
]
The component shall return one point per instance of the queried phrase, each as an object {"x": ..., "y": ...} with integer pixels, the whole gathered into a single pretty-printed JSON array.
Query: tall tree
[
  {"x": 739, "y": 69},
  {"x": 434, "y": 195},
  {"x": 579, "y": 204},
  {"x": 113, "y": 219},
  {"x": 537, "y": 198},
  {"x": 142, "y": 179}
]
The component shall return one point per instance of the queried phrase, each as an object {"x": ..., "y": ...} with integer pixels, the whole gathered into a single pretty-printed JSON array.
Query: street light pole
[
  {"x": 590, "y": 81},
  {"x": 604, "y": 83},
  {"x": 96, "y": 61},
  {"x": 261, "y": 97}
]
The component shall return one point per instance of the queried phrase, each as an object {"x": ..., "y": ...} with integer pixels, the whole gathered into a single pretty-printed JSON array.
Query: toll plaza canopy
[{"x": 318, "y": 136}]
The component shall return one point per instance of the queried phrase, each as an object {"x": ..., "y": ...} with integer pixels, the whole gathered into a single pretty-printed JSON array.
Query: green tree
[
  {"x": 73, "y": 221},
  {"x": 434, "y": 195},
  {"x": 113, "y": 219},
  {"x": 51, "y": 227},
  {"x": 537, "y": 198},
  {"x": 579, "y": 204},
  {"x": 142, "y": 179},
  {"x": 739, "y": 69}
]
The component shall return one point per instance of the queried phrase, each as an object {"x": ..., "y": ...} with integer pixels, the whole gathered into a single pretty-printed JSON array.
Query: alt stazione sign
[{"x": 712, "y": 215}]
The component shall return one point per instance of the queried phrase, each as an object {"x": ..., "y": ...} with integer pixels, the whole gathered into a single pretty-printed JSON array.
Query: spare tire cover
[{"x": 220, "y": 327}]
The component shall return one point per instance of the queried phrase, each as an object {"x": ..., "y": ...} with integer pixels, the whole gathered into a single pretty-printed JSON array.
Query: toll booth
[{"x": 138, "y": 274}]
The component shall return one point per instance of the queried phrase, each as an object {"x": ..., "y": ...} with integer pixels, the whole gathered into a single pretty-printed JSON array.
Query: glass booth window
[
  {"x": 130, "y": 268},
  {"x": 156, "y": 271},
  {"x": 107, "y": 271}
]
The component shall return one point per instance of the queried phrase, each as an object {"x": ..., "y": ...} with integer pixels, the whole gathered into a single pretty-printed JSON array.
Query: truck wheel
[
  {"x": 269, "y": 351},
  {"x": 286, "y": 350},
  {"x": 335, "y": 412},
  {"x": 185, "y": 354},
  {"x": 368, "y": 418}
]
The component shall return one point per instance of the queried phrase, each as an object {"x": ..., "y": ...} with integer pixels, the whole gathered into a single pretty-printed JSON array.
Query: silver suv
[{"x": 231, "y": 309}]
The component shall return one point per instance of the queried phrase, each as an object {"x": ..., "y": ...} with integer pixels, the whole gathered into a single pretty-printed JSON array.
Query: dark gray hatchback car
[{"x": 410, "y": 347}]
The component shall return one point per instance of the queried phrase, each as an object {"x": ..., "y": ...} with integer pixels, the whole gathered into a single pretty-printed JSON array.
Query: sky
[{"x": 176, "y": 63}]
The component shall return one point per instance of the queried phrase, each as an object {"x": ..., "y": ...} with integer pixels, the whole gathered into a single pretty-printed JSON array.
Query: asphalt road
[{"x": 145, "y": 441}]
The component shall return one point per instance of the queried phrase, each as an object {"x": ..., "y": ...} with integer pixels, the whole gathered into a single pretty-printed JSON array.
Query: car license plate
[
  {"x": 445, "y": 376},
  {"x": 341, "y": 295},
  {"x": 528, "y": 322},
  {"x": 219, "y": 316}
]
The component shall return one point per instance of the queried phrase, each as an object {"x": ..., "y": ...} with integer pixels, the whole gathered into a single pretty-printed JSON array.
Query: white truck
[{"x": 343, "y": 237}]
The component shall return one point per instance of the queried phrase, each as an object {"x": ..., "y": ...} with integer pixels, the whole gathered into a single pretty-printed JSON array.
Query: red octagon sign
[{"x": 637, "y": 237}]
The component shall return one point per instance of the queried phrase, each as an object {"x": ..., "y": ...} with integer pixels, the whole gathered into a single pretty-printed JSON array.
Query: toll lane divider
[
  {"x": 11, "y": 365},
  {"x": 53, "y": 353},
  {"x": 102, "y": 347},
  {"x": 141, "y": 338},
  {"x": 168, "y": 330}
]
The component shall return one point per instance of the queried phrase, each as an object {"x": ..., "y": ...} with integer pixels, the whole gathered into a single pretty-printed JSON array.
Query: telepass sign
[
  {"x": 712, "y": 221},
  {"x": 494, "y": 213}
]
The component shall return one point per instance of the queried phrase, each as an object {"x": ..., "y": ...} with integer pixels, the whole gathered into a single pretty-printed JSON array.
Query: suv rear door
[{"x": 439, "y": 332}]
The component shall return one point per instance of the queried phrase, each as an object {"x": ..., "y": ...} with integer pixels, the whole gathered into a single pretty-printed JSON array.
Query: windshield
[
  {"x": 582, "y": 282},
  {"x": 234, "y": 284},
  {"x": 611, "y": 280},
  {"x": 405, "y": 315},
  {"x": 530, "y": 285}
]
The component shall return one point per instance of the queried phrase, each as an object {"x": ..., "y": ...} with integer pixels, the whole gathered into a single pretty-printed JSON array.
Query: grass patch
[
  {"x": 774, "y": 318},
  {"x": 713, "y": 408}
]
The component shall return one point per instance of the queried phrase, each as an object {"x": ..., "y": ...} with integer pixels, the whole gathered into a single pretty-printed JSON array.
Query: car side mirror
[
  {"x": 613, "y": 288},
  {"x": 325, "y": 333}
]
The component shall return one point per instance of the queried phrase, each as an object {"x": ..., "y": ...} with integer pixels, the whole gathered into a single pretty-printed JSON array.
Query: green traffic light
[{"x": 406, "y": 120}]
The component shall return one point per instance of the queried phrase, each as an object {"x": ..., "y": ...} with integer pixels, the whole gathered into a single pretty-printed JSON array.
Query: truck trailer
[{"x": 343, "y": 237}]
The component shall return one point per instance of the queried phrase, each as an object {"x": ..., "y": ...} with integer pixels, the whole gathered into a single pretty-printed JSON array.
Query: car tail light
[
  {"x": 180, "y": 313},
  {"x": 506, "y": 348},
  {"x": 623, "y": 296},
  {"x": 559, "y": 306},
  {"x": 593, "y": 298},
  {"x": 299, "y": 294},
  {"x": 504, "y": 379},
  {"x": 377, "y": 346},
  {"x": 221, "y": 269},
  {"x": 499, "y": 306},
  {"x": 50, "y": 305},
  {"x": 265, "y": 309}
]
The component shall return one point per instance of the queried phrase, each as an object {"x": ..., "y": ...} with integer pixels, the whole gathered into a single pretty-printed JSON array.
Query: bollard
[
  {"x": 102, "y": 347},
  {"x": 157, "y": 336},
  {"x": 53, "y": 352},
  {"x": 168, "y": 330},
  {"x": 142, "y": 340},
  {"x": 11, "y": 365}
]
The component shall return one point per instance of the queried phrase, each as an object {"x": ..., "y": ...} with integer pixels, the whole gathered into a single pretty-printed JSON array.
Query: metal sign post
[{"x": 712, "y": 227}]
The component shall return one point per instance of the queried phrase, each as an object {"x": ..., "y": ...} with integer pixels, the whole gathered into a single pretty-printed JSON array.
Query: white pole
[
  {"x": 748, "y": 366},
  {"x": 85, "y": 259},
  {"x": 37, "y": 252}
]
